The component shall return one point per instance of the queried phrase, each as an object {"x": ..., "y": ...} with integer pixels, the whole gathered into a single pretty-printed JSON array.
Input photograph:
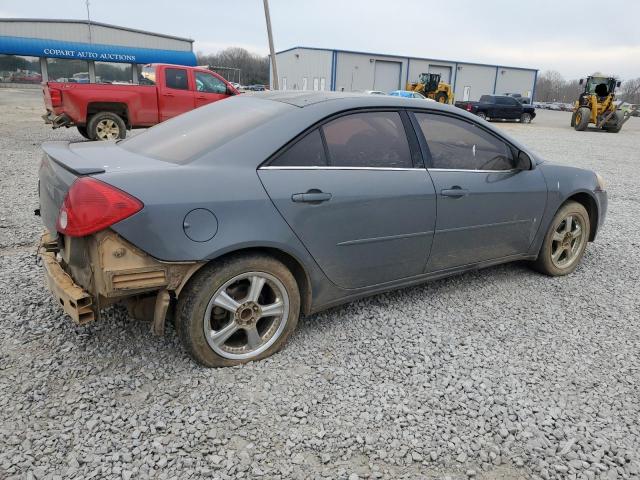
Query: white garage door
[
  {"x": 445, "y": 72},
  {"x": 387, "y": 76}
]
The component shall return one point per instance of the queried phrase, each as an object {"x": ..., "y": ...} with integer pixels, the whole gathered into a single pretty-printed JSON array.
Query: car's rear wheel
[
  {"x": 482, "y": 115},
  {"x": 106, "y": 126},
  {"x": 239, "y": 310},
  {"x": 565, "y": 241},
  {"x": 525, "y": 118}
]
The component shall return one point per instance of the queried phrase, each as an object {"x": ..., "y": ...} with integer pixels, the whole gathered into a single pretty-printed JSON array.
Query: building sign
[
  {"x": 49, "y": 48},
  {"x": 84, "y": 55}
]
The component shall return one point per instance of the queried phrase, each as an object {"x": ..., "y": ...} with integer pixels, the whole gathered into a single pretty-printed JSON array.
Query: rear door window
[
  {"x": 369, "y": 139},
  {"x": 306, "y": 152},
  {"x": 176, "y": 78}
]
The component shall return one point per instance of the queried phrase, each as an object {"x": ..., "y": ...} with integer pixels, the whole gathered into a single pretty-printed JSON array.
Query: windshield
[
  {"x": 186, "y": 137},
  {"x": 594, "y": 82}
]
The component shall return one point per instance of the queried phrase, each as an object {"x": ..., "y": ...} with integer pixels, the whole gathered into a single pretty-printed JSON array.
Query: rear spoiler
[{"x": 60, "y": 153}]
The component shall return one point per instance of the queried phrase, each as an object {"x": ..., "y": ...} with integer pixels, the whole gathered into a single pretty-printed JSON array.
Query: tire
[
  {"x": 482, "y": 115},
  {"x": 106, "y": 126},
  {"x": 199, "y": 309},
  {"x": 83, "y": 131},
  {"x": 440, "y": 97},
  {"x": 525, "y": 118},
  {"x": 562, "y": 238},
  {"x": 573, "y": 119},
  {"x": 616, "y": 126},
  {"x": 583, "y": 114}
]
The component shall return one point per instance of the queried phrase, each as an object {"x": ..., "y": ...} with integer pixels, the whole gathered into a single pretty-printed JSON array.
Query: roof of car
[{"x": 305, "y": 98}]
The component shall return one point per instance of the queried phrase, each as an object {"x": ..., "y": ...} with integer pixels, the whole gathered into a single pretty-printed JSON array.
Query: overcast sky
[{"x": 575, "y": 37}]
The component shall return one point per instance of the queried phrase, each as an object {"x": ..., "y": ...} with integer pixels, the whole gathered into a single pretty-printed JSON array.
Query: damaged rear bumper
[
  {"x": 89, "y": 273},
  {"x": 76, "y": 302},
  {"x": 57, "y": 121}
]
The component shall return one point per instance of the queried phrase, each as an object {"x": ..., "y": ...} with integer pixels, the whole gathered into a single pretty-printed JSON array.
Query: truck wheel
[
  {"x": 583, "y": 115},
  {"x": 106, "y": 126},
  {"x": 239, "y": 310},
  {"x": 525, "y": 118},
  {"x": 441, "y": 97},
  {"x": 616, "y": 125},
  {"x": 565, "y": 241},
  {"x": 482, "y": 115},
  {"x": 83, "y": 131},
  {"x": 573, "y": 119}
]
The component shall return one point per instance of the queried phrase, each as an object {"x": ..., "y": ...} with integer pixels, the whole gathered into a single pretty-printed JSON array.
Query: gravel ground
[{"x": 497, "y": 374}]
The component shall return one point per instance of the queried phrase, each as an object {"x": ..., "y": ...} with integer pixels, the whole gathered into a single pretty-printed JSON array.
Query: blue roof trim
[
  {"x": 38, "y": 47},
  {"x": 404, "y": 56}
]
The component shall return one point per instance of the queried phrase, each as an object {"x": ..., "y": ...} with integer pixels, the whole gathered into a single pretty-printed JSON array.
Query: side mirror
[
  {"x": 581, "y": 81},
  {"x": 230, "y": 91},
  {"x": 523, "y": 162}
]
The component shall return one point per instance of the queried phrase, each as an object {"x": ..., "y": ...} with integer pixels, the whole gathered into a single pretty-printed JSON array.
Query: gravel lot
[{"x": 497, "y": 374}]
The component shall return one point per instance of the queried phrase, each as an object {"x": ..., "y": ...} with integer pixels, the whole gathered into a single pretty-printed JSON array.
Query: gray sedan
[{"x": 238, "y": 217}]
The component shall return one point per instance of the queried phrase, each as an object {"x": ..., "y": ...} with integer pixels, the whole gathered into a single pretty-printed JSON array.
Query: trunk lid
[{"x": 63, "y": 162}]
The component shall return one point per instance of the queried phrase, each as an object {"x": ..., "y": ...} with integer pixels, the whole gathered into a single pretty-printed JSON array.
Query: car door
[
  {"x": 513, "y": 108},
  {"x": 209, "y": 88},
  {"x": 502, "y": 107},
  {"x": 487, "y": 209},
  {"x": 176, "y": 96},
  {"x": 352, "y": 194}
]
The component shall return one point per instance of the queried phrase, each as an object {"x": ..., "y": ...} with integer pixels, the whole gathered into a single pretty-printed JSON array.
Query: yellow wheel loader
[
  {"x": 430, "y": 86},
  {"x": 596, "y": 105}
]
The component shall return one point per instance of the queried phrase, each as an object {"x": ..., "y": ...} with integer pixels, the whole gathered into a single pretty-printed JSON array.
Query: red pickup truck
[{"x": 107, "y": 111}]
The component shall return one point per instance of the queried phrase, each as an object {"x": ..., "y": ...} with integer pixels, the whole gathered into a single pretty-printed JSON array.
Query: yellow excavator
[
  {"x": 430, "y": 86},
  {"x": 596, "y": 105}
]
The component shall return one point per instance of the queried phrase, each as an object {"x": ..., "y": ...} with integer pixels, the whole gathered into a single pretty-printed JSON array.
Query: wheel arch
[
  {"x": 591, "y": 206},
  {"x": 294, "y": 265},
  {"x": 119, "y": 108}
]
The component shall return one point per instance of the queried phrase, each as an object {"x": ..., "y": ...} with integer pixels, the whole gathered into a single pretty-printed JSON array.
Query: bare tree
[
  {"x": 254, "y": 68},
  {"x": 630, "y": 91}
]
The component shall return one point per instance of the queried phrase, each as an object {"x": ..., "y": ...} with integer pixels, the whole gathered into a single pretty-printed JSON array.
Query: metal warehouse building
[
  {"x": 304, "y": 68},
  {"x": 36, "y": 50}
]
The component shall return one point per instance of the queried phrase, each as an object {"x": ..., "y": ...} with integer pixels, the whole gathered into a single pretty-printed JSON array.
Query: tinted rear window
[
  {"x": 486, "y": 99},
  {"x": 188, "y": 136}
]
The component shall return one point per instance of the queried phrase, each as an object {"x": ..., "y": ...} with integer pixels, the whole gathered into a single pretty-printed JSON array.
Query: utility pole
[
  {"x": 271, "y": 50},
  {"x": 89, "y": 21}
]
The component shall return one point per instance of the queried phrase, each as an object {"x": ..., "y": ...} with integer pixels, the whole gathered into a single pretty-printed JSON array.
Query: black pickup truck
[{"x": 499, "y": 106}]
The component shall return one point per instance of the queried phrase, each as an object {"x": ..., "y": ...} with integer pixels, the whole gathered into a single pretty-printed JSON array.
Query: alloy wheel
[
  {"x": 246, "y": 315},
  {"x": 567, "y": 241},
  {"x": 107, "y": 129}
]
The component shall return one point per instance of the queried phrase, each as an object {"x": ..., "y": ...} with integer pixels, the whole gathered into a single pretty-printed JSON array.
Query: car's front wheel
[
  {"x": 238, "y": 310},
  {"x": 565, "y": 241}
]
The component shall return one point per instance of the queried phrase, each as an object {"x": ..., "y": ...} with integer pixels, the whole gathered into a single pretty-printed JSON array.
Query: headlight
[{"x": 600, "y": 182}]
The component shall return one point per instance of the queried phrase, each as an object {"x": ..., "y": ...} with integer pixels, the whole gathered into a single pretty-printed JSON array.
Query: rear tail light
[
  {"x": 468, "y": 107},
  {"x": 92, "y": 205},
  {"x": 56, "y": 97}
]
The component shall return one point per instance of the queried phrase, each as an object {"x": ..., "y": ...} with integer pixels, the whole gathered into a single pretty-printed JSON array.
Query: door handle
[
  {"x": 312, "y": 196},
  {"x": 168, "y": 94},
  {"x": 201, "y": 97},
  {"x": 454, "y": 192}
]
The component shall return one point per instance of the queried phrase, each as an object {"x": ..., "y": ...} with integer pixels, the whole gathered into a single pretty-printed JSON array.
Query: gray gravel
[{"x": 497, "y": 374}]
